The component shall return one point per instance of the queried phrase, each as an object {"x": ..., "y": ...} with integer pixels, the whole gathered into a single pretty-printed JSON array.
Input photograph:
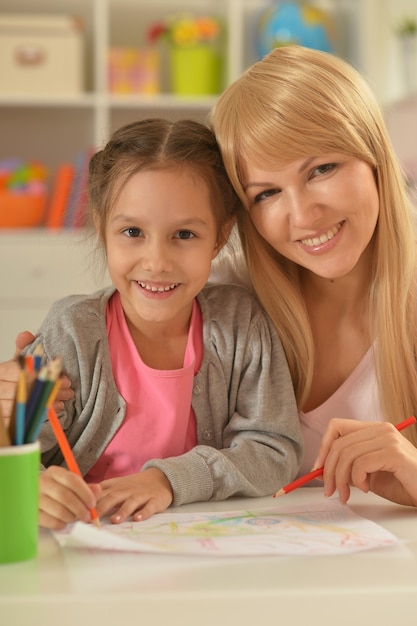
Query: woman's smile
[{"x": 318, "y": 241}]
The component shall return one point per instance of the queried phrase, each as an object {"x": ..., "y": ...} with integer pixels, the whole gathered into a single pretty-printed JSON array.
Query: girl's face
[
  {"x": 319, "y": 212},
  {"x": 161, "y": 237}
]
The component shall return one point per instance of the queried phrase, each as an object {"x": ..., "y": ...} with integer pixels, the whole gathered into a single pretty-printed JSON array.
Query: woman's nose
[{"x": 303, "y": 208}]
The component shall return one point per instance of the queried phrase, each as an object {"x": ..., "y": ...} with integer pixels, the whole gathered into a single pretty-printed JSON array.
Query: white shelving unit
[
  {"x": 38, "y": 266},
  {"x": 86, "y": 120},
  {"x": 53, "y": 128}
]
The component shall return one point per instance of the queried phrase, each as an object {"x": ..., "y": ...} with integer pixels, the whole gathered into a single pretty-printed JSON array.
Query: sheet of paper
[{"x": 328, "y": 528}]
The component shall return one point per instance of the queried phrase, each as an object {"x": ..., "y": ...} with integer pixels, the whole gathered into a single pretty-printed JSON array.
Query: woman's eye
[
  {"x": 324, "y": 169},
  {"x": 184, "y": 234},
  {"x": 268, "y": 193},
  {"x": 132, "y": 232}
]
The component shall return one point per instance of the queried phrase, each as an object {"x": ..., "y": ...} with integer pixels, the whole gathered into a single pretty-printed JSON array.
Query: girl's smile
[{"x": 157, "y": 289}]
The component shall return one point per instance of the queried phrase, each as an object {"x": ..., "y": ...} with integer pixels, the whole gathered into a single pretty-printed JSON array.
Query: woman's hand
[
  {"x": 370, "y": 456},
  {"x": 65, "y": 392},
  {"x": 140, "y": 495},
  {"x": 64, "y": 498},
  {"x": 9, "y": 374}
]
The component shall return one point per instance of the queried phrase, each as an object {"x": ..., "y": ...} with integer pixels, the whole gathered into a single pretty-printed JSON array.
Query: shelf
[
  {"x": 166, "y": 101},
  {"x": 82, "y": 100},
  {"x": 86, "y": 120}
]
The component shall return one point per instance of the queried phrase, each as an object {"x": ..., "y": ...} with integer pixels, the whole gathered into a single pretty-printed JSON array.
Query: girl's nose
[{"x": 156, "y": 257}]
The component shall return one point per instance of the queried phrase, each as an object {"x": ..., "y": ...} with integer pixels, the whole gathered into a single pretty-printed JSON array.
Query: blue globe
[{"x": 286, "y": 23}]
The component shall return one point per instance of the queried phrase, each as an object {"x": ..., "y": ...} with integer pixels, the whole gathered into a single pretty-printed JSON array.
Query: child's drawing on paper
[{"x": 330, "y": 528}]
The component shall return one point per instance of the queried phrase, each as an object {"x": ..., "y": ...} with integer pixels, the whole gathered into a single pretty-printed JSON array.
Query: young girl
[
  {"x": 328, "y": 235},
  {"x": 181, "y": 391}
]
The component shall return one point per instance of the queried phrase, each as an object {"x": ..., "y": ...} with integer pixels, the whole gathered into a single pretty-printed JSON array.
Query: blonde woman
[{"x": 328, "y": 237}]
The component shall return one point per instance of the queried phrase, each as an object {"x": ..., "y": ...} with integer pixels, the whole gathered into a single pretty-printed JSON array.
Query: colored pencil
[
  {"x": 37, "y": 357},
  {"x": 20, "y": 409},
  {"x": 54, "y": 391},
  {"x": 35, "y": 396},
  {"x": 30, "y": 363},
  {"x": 303, "y": 480},
  {"x": 15, "y": 410},
  {"x": 4, "y": 434},
  {"x": 39, "y": 414},
  {"x": 67, "y": 452}
]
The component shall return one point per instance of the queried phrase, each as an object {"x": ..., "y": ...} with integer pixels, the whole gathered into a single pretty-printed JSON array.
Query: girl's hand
[
  {"x": 140, "y": 495},
  {"x": 370, "y": 456},
  {"x": 64, "y": 498}
]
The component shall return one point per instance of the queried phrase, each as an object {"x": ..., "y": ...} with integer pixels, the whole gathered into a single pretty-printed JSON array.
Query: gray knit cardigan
[{"x": 248, "y": 436}]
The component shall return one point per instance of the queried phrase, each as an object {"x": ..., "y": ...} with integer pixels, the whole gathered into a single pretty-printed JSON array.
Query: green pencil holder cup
[{"x": 19, "y": 499}]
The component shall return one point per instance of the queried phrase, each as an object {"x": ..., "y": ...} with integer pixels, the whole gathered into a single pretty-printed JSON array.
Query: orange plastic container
[{"x": 21, "y": 210}]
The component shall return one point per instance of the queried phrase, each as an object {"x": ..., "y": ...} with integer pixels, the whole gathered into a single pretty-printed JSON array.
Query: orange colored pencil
[
  {"x": 303, "y": 480},
  {"x": 30, "y": 363},
  {"x": 67, "y": 453}
]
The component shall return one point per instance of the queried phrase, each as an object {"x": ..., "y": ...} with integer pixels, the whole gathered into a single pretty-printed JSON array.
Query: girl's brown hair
[{"x": 160, "y": 144}]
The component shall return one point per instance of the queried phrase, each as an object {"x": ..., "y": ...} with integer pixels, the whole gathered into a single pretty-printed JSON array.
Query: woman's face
[{"x": 319, "y": 212}]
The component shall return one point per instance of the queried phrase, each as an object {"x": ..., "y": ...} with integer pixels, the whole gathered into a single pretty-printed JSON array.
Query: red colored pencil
[
  {"x": 303, "y": 480},
  {"x": 67, "y": 453}
]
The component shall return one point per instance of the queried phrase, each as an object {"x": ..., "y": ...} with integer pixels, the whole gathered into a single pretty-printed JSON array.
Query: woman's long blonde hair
[{"x": 299, "y": 102}]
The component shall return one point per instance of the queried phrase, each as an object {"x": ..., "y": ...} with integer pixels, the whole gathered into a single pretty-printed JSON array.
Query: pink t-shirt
[{"x": 159, "y": 420}]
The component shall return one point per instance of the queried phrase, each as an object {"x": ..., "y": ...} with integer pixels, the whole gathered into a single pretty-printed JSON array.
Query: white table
[{"x": 81, "y": 587}]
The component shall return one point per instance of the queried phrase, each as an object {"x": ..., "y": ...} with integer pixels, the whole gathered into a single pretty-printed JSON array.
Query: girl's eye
[
  {"x": 324, "y": 169},
  {"x": 132, "y": 232},
  {"x": 184, "y": 234},
  {"x": 268, "y": 193}
]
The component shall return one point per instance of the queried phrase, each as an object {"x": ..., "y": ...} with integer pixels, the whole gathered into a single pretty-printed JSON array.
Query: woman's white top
[{"x": 357, "y": 398}]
